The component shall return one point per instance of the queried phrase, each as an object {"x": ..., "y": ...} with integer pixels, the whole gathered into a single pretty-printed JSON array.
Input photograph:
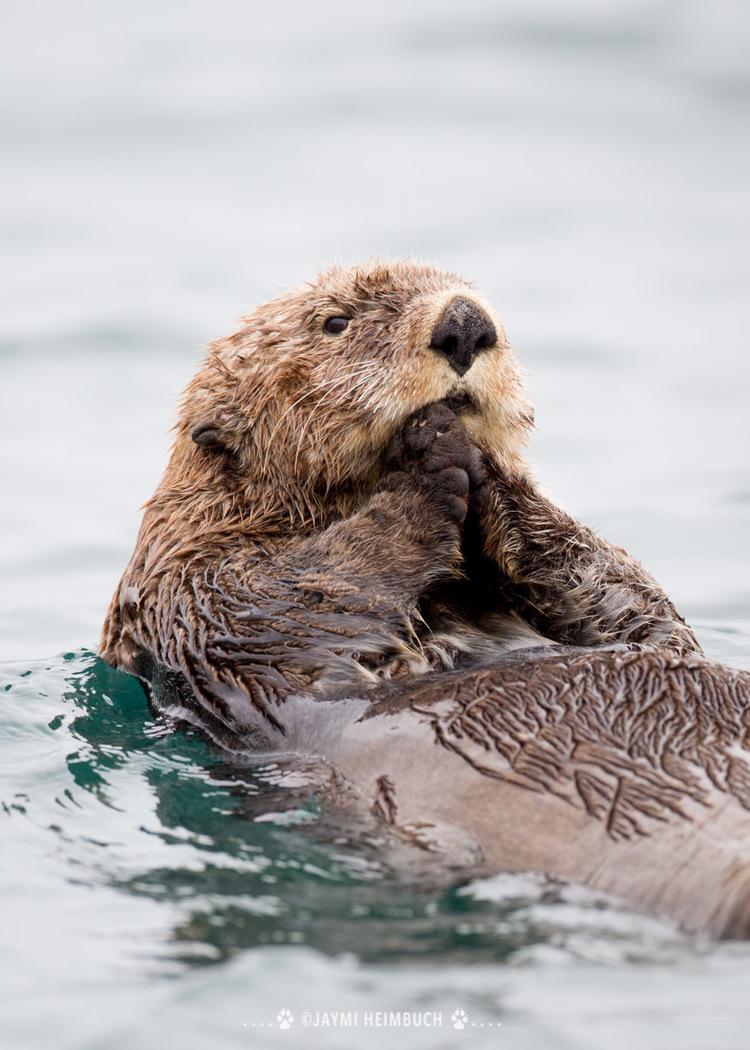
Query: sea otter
[{"x": 348, "y": 557}]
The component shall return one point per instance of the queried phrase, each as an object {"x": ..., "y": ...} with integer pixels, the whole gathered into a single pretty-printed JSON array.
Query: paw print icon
[
  {"x": 459, "y": 1018},
  {"x": 285, "y": 1018}
]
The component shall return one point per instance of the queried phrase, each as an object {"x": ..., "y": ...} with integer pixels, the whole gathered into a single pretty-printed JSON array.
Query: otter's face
[{"x": 318, "y": 380}]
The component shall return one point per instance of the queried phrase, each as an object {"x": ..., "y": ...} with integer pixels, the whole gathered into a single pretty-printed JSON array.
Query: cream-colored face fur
[{"x": 295, "y": 401}]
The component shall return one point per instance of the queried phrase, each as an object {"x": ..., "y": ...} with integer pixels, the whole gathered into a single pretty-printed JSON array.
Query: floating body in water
[{"x": 348, "y": 558}]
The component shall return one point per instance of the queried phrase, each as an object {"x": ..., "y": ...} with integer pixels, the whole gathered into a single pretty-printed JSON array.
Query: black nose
[{"x": 462, "y": 331}]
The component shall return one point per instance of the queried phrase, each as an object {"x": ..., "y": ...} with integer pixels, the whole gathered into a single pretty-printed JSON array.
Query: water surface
[{"x": 168, "y": 166}]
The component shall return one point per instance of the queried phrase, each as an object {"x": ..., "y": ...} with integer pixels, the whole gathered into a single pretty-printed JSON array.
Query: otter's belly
[{"x": 626, "y": 771}]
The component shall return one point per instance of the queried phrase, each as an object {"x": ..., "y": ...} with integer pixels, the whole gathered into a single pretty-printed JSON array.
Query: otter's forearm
[
  {"x": 572, "y": 584},
  {"x": 327, "y": 613},
  {"x": 408, "y": 536},
  {"x": 397, "y": 546}
]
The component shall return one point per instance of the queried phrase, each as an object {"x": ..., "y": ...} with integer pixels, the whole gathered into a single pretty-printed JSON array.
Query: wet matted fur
[{"x": 345, "y": 513}]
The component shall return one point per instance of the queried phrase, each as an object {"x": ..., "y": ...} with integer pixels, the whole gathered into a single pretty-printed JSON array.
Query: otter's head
[{"x": 306, "y": 395}]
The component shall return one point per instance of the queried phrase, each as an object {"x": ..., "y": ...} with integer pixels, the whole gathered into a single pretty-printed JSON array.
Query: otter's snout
[{"x": 463, "y": 330}]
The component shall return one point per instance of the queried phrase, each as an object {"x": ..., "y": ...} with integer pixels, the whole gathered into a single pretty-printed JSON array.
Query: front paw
[{"x": 434, "y": 453}]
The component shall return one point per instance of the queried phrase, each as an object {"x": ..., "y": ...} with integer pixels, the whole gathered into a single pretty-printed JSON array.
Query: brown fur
[
  {"x": 297, "y": 424},
  {"x": 343, "y": 510}
]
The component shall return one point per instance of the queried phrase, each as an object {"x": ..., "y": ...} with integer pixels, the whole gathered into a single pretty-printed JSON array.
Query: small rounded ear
[{"x": 209, "y": 435}]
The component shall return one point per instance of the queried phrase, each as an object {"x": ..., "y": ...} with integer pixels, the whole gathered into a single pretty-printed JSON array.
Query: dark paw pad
[{"x": 435, "y": 451}]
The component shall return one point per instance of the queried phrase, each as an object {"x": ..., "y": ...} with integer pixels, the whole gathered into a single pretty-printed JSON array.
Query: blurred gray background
[{"x": 168, "y": 165}]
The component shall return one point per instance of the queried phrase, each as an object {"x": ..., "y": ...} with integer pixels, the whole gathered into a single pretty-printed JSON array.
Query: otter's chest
[
  {"x": 456, "y": 640},
  {"x": 448, "y": 639}
]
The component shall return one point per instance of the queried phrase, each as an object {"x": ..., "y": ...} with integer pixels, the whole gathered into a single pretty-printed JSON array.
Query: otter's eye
[{"x": 336, "y": 325}]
